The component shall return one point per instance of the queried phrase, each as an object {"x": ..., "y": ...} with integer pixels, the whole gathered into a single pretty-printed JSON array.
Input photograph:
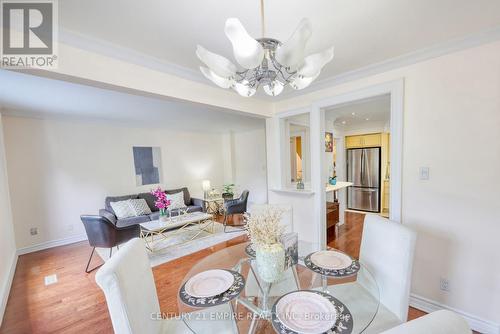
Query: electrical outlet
[
  {"x": 444, "y": 284},
  {"x": 34, "y": 230},
  {"x": 424, "y": 173}
]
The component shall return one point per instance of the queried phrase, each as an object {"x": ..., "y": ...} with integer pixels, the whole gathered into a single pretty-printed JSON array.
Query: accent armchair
[
  {"x": 235, "y": 206},
  {"x": 102, "y": 232}
]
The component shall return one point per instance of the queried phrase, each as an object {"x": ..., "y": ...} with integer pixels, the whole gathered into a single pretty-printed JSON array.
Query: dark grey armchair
[
  {"x": 235, "y": 206},
  {"x": 102, "y": 232}
]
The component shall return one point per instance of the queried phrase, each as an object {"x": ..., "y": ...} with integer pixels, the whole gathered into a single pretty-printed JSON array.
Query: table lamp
[{"x": 206, "y": 187}]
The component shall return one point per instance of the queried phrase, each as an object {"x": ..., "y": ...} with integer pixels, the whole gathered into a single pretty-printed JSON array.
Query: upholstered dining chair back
[
  {"x": 439, "y": 322},
  {"x": 387, "y": 250},
  {"x": 128, "y": 284}
]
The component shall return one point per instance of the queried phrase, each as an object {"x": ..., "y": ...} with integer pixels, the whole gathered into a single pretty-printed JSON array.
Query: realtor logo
[{"x": 29, "y": 31}]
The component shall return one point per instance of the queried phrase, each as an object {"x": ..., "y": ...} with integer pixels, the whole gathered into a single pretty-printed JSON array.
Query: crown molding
[
  {"x": 128, "y": 55},
  {"x": 434, "y": 51},
  {"x": 131, "y": 56}
]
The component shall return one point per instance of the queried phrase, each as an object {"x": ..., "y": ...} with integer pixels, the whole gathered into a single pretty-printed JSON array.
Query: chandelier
[{"x": 264, "y": 61}]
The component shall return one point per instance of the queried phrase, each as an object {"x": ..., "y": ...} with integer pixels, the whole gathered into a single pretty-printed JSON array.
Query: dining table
[{"x": 252, "y": 304}]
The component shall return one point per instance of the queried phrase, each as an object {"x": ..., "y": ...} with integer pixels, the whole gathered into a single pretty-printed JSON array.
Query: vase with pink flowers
[{"x": 162, "y": 203}]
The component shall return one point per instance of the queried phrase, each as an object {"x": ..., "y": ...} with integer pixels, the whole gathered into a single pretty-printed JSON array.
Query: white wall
[
  {"x": 280, "y": 192},
  {"x": 8, "y": 256},
  {"x": 61, "y": 169},
  {"x": 452, "y": 125},
  {"x": 250, "y": 163}
]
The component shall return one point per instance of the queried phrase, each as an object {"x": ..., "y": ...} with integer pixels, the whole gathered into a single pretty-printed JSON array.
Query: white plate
[
  {"x": 306, "y": 312},
  {"x": 331, "y": 260},
  {"x": 209, "y": 283}
]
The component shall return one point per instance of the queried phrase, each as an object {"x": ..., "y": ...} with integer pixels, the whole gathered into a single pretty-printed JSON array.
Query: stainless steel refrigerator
[{"x": 363, "y": 170}]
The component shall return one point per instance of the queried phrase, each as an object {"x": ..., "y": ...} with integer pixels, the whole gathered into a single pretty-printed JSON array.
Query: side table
[{"x": 213, "y": 205}]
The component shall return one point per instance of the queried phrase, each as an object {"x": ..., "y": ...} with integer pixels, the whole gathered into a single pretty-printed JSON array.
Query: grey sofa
[{"x": 192, "y": 204}]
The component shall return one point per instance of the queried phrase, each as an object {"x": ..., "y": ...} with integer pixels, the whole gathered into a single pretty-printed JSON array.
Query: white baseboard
[
  {"x": 476, "y": 323},
  {"x": 6, "y": 287},
  {"x": 51, "y": 244}
]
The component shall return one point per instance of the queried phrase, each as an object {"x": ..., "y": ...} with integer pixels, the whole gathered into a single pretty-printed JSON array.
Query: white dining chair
[
  {"x": 128, "y": 285},
  {"x": 439, "y": 322},
  {"x": 387, "y": 251}
]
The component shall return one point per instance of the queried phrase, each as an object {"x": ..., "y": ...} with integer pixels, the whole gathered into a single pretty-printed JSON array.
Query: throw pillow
[
  {"x": 140, "y": 207},
  {"x": 122, "y": 209},
  {"x": 176, "y": 200}
]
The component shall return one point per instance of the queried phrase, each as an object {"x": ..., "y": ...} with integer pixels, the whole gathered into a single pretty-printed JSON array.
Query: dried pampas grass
[{"x": 264, "y": 228}]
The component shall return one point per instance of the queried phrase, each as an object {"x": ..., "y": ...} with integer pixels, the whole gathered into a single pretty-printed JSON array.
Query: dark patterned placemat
[
  {"x": 344, "y": 323},
  {"x": 250, "y": 251},
  {"x": 349, "y": 271},
  {"x": 230, "y": 294}
]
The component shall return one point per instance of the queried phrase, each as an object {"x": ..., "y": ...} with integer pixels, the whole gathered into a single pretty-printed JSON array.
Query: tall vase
[
  {"x": 270, "y": 262},
  {"x": 164, "y": 216}
]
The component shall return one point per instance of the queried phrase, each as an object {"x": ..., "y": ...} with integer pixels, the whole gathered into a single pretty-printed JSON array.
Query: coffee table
[{"x": 156, "y": 231}]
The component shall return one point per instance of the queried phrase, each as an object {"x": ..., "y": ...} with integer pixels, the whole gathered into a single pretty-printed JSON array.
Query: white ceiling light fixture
[{"x": 265, "y": 61}]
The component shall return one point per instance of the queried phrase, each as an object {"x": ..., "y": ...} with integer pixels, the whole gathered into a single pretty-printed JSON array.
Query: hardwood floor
[
  {"x": 349, "y": 238},
  {"x": 75, "y": 304}
]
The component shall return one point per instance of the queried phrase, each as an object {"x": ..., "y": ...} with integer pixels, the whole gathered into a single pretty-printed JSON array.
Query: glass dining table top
[{"x": 252, "y": 308}]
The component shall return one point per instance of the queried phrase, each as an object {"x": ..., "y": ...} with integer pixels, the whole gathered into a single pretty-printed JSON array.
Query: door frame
[{"x": 317, "y": 128}]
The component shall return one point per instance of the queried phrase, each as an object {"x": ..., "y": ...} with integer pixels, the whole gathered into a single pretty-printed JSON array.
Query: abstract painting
[{"x": 147, "y": 162}]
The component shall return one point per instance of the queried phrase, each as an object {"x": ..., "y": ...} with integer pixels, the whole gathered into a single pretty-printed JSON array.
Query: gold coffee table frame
[{"x": 155, "y": 231}]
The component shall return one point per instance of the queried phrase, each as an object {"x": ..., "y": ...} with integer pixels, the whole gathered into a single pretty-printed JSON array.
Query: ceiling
[
  {"x": 369, "y": 113},
  {"x": 49, "y": 98},
  {"x": 363, "y": 32}
]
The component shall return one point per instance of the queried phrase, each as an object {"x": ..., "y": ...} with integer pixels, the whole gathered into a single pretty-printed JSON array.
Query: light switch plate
[{"x": 424, "y": 173}]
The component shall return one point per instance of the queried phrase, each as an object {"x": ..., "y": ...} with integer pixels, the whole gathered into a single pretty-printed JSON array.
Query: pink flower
[{"x": 161, "y": 202}]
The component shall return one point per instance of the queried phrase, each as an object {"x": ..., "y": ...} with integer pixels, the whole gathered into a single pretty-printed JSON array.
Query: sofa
[{"x": 192, "y": 204}]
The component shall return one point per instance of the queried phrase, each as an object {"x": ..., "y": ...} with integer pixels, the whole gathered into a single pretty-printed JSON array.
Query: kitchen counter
[{"x": 338, "y": 186}]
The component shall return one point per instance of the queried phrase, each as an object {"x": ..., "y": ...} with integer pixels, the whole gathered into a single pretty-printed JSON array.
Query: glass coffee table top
[{"x": 252, "y": 308}]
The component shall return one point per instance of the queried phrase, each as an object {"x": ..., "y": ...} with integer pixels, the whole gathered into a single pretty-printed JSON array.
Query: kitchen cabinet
[
  {"x": 368, "y": 140},
  {"x": 332, "y": 219},
  {"x": 384, "y": 210},
  {"x": 353, "y": 141},
  {"x": 385, "y": 199}
]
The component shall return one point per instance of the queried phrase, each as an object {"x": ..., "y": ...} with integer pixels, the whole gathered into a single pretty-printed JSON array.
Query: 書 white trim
[
  {"x": 6, "y": 287},
  {"x": 51, "y": 244},
  {"x": 109, "y": 49},
  {"x": 434, "y": 51},
  {"x": 476, "y": 323}
]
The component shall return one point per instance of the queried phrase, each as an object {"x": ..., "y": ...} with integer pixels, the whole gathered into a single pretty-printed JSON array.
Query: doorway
[
  {"x": 393, "y": 91},
  {"x": 364, "y": 128}
]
